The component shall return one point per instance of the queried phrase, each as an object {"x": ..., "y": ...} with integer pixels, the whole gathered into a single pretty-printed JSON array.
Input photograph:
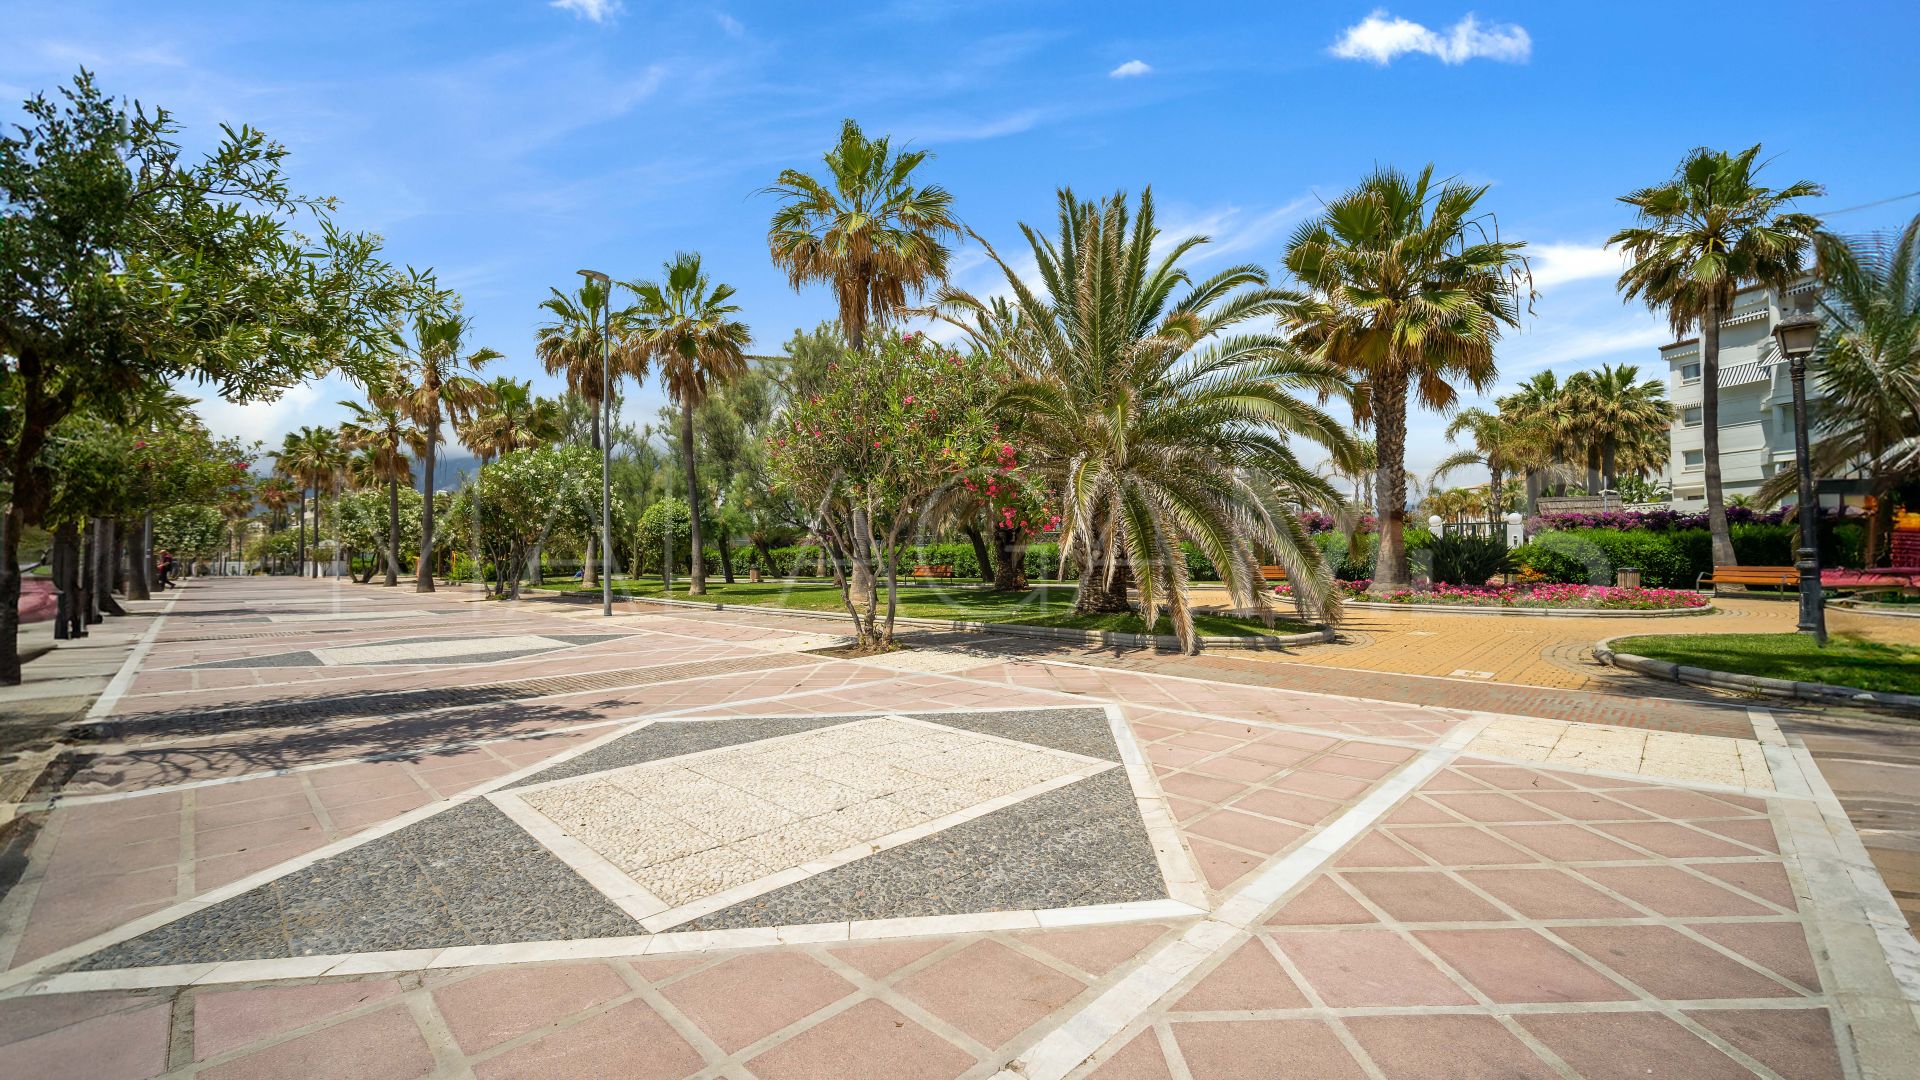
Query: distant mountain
[{"x": 451, "y": 471}]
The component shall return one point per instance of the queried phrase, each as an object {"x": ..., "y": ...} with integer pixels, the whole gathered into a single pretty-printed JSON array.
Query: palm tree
[
  {"x": 287, "y": 466},
  {"x": 435, "y": 377},
  {"x": 1702, "y": 236},
  {"x": 1619, "y": 421},
  {"x": 509, "y": 417},
  {"x": 1868, "y": 417},
  {"x": 1540, "y": 405},
  {"x": 1161, "y": 419},
  {"x": 685, "y": 325},
  {"x": 865, "y": 229},
  {"x": 1503, "y": 442},
  {"x": 312, "y": 458},
  {"x": 572, "y": 345},
  {"x": 1407, "y": 287},
  {"x": 382, "y": 427}
]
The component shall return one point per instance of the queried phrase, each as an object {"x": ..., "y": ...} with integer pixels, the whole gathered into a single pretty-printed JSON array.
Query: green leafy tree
[
  {"x": 125, "y": 263},
  {"x": 665, "y": 521},
  {"x": 529, "y": 495},
  {"x": 1702, "y": 236},
  {"x": 365, "y": 520},
  {"x": 1407, "y": 287},
  {"x": 192, "y": 532},
  {"x": 866, "y": 230}
]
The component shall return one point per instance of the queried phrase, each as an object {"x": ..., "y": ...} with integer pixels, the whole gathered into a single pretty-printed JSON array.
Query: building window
[
  {"x": 1690, "y": 416},
  {"x": 1689, "y": 373},
  {"x": 1692, "y": 460}
]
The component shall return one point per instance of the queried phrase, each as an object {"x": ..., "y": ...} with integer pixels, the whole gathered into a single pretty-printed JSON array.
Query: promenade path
[{"x": 322, "y": 830}]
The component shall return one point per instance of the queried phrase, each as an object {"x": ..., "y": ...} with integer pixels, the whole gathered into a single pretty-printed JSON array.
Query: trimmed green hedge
[
  {"x": 1675, "y": 560},
  {"x": 1042, "y": 560}
]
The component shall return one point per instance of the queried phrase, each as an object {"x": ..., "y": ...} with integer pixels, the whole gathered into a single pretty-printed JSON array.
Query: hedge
[{"x": 1675, "y": 559}]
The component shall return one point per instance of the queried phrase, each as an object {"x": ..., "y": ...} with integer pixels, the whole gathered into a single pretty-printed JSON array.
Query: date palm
[
  {"x": 1702, "y": 236},
  {"x": 1407, "y": 286},
  {"x": 570, "y": 345},
  {"x": 684, "y": 325},
  {"x": 1160, "y": 412},
  {"x": 1505, "y": 443},
  {"x": 382, "y": 428},
  {"x": 1620, "y": 420},
  {"x": 436, "y": 379},
  {"x": 866, "y": 229},
  {"x": 510, "y": 417}
]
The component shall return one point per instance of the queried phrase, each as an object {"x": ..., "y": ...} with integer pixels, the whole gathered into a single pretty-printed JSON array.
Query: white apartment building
[{"x": 1756, "y": 401}]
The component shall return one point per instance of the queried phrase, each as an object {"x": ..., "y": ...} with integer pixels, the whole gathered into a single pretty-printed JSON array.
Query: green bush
[
  {"x": 1459, "y": 559},
  {"x": 1666, "y": 560},
  {"x": 1042, "y": 560}
]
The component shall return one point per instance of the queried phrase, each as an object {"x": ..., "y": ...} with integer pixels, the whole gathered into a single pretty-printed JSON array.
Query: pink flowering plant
[{"x": 1601, "y": 597}]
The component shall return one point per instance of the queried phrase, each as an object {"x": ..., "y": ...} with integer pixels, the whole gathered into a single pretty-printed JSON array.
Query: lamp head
[
  {"x": 595, "y": 275},
  {"x": 1797, "y": 336}
]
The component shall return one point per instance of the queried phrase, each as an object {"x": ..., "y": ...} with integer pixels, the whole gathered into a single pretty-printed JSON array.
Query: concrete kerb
[
  {"x": 1565, "y": 613},
  {"x": 1820, "y": 693},
  {"x": 1055, "y": 633}
]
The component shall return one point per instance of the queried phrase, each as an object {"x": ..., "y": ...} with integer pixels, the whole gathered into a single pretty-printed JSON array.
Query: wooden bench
[
  {"x": 1779, "y": 577},
  {"x": 932, "y": 572},
  {"x": 1273, "y": 573}
]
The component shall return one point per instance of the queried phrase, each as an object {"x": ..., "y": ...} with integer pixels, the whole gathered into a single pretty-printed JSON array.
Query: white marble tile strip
[
  {"x": 1177, "y": 869},
  {"x": 122, "y": 679}
]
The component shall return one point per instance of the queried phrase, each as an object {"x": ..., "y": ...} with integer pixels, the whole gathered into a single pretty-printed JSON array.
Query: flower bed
[{"x": 1599, "y": 597}]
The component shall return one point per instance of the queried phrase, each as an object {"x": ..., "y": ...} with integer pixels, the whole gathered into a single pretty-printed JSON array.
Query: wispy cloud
[
  {"x": 598, "y": 11},
  {"x": 1557, "y": 264},
  {"x": 732, "y": 26},
  {"x": 1382, "y": 38},
  {"x": 1132, "y": 69}
]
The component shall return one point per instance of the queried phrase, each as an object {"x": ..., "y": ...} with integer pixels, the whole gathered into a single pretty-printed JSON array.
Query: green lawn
[
  {"x": 1042, "y": 606},
  {"x": 1846, "y": 661}
]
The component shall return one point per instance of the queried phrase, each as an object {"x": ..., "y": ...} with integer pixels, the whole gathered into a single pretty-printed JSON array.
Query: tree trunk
[
  {"x": 1496, "y": 507},
  {"x": 697, "y": 574},
  {"x": 981, "y": 558},
  {"x": 1710, "y": 432},
  {"x": 90, "y": 571},
  {"x": 423, "y": 571},
  {"x": 300, "y": 536},
  {"x": 1010, "y": 560},
  {"x": 861, "y": 590},
  {"x": 106, "y": 545},
  {"x": 316, "y": 531},
  {"x": 590, "y": 565},
  {"x": 726, "y": 554},
  {"x": 1103, "y": 587},
  {"x": 140, "y": 560},
  {"x": 393, "y": 531},
  {"x": 1390, "y": 570},
  {"x": 1608, "y": 452},
  {"x": 72, "y": 613}
]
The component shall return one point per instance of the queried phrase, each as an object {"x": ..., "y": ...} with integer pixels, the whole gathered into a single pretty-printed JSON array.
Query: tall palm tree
[
  {"x": 586, "y": 333},
  {"x": 1540, "y": 405},
  {"x": 865, "y": 229},
  {"x": 1702, "y": 236},
  {"x": 382, "y": 428},
  {"x": 510, "y": 417},
  {"x": 1162, "y": 419},
  {"x": 436, "y": 379},
  {"x": 287, "y": 466},
  {"x": 1407, "y": 287},
  {"x": 685, "y": 325},
  {"x": 1505, "y": 443},
  {"x": 312, "y": 458},
  {"x": 1868, "y": 417},
  {"x": 1619, "y": 419}
]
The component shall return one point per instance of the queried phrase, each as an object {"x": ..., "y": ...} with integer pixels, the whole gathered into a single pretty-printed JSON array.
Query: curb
[
  {"x": 1821, "y": 693},
  {"x": 1056, "y": 633},
  {"x": 1879, "y": 611},
  {"x": 1565, "y": 613}
]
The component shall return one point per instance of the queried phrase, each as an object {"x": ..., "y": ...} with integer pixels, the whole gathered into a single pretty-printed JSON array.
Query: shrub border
[
  {"x": 1823, "y": 693},
  {"x": 1569, "y": 613}
]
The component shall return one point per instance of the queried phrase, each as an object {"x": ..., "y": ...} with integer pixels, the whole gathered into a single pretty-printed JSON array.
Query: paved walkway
[{"x": 345, "y": 831}]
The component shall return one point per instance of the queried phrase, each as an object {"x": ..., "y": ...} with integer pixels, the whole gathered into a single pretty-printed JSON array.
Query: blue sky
[{"x": 507, "y": 143}]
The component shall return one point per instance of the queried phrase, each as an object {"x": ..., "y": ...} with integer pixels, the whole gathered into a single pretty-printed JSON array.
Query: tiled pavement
[{"x": 1377, "y": 902}]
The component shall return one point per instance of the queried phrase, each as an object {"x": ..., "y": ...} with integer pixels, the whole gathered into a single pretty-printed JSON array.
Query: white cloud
[
  {"x": 729, "y": 24},
  {"x": 1381, "y": 38},
  {"x": 1557, "y": 264},
  {"x": 598, "y": 11},
  {"x": 1131, "y": 69}
]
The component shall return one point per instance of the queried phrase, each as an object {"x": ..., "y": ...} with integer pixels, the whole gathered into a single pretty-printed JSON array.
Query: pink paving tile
[
  {"x": 1462, "y": 845},
  {"x": 1780, "y": 947},
  {"x": 871, "y": 1041},
  {"x": 1418, "y": 811},
  {"x": 226, "y": 869},
  {"x": 1767, "y": 880},
  {"x": 1185, "y": 810},
  {"x": 989, "y": 991},
  {"x": 1304, "y": 809},
  {"x": 1097, "y": 950},
  {"x": 1452, "y": 780},
  {"x": 750, "y": 997},
  {"x": 385, "y": 1045},
  {"x": 127, "y": 1045},
  {"x": 1322, "y": 903},
  {"x": 1270, "y": 754},
  {"x": 357, "y": 816},
  {"x": 1673, "y": 840},
  {"x": 1582, "y": 805},
  {"x": 494, "y": 1006},
  {"x": 1322, "y": 784},
  {"x": 1359, "y": 768},
  {"x": 1234, "y": 767},
  {"x": 1756, "y": 832},
  {"x": 1796, "y": 1043},
  {"x": 1247, "y": 831},
  {"x": 1422, "y": 896},
  {"x": 1250, "y": 979},
  {"x": 82, "y": 857},
  {"x": 1353, "y": 968},
  {"x": 1519, "y": 965},
  {"x": 259, "y": 834},
  {"x": 603, "y": 1045},
  {"x": 1200, "y": 740},
  {"x": 1630, "y": 1046},
  {"x": 1568, "y": 843},
  {"x": 1683, "y": 805},
  {"x": 1263, "y": 1050},
  {"x": 23, "y": 1018},
  {"x": 659, "y": 969},
  {"x": 882, "y": 959},
  {"x": 452, "y": 781},
  {"x": 1378, "y": 849},
  {"x": 1545, "y": 893},
  {"x": 1668, "y": 964},
  {"x": 1221, "y": 865},
  {"x": 1512, "y": 778},
  {"x": 1140, "y": 1059},
  {"x": 1299, "y": 740},
  {"x": 1489, "y": 807},
  {"x": 1446, "y": 1048},
  {"x": 1175, "y": 756},
  {"x": 241, "y": 813},
  {"x": 1375, "y": 752},
  {"x": 1672, "y": 891},
  {"x": 1200, "y": 788},
  {"x": 227, "y": 1019}
]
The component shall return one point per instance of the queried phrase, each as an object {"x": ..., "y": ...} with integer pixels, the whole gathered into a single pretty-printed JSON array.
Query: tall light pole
[
  {"x": 1797, "y": 338},
  {"x": 606, "y": 440}
]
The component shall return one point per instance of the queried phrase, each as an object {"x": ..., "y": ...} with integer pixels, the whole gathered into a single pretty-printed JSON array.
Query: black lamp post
[{"x": 1797, "y": 337}]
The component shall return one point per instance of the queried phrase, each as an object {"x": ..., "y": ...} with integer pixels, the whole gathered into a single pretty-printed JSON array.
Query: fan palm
[
  {"x": 509, "y": 417},
  {"x": 1703, "y": 235},
  {"x": 571, "y": 346},
  {"x": 1619, "y": 420},
  {"x": 1161, "y": 420},
  {"x": 1868, "y": 416},
  {"x": 685, "y": 324},
  {"x": 866, "y": 230},
  {"x": 434, "y": 380},
  {"x": 1407, "y": 287},
  {"x": 1505, "y": 443},
  {"x": 311, "y": 458},
  {"x": 382, "y": 428}
]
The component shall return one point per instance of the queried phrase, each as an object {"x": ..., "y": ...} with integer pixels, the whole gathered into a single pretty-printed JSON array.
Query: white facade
[{"x": 1756, "y": 398}]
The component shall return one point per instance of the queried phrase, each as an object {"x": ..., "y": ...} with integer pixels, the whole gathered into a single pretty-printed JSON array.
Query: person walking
[{"x": 166, "y": 569}]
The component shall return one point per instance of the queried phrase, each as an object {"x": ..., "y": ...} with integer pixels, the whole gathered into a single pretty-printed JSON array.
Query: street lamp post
[
  {"x": 1797, "y": 338},
  {"x": 606, "y": 441}
]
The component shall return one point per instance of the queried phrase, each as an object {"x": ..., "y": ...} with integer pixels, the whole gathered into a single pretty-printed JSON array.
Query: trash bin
[{"x": 1627, "y": 577}]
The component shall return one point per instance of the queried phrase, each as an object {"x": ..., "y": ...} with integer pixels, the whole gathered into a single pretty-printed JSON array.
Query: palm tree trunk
[
  {"x": 423, "y": 571},
  {"x": 1495, "y": 506},
  {"x": 300, "y": 537},
  {"x": 1103, "y": 586},
  {"x": 697, "y": 578},
  {"x": 1390, "y": 570},
  {"x": 1609, "y": 450},
  {"x": 1533, "y": 492},
  {"x": 393, "y": 531},
  {"x": 1710, "y": 434}
]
